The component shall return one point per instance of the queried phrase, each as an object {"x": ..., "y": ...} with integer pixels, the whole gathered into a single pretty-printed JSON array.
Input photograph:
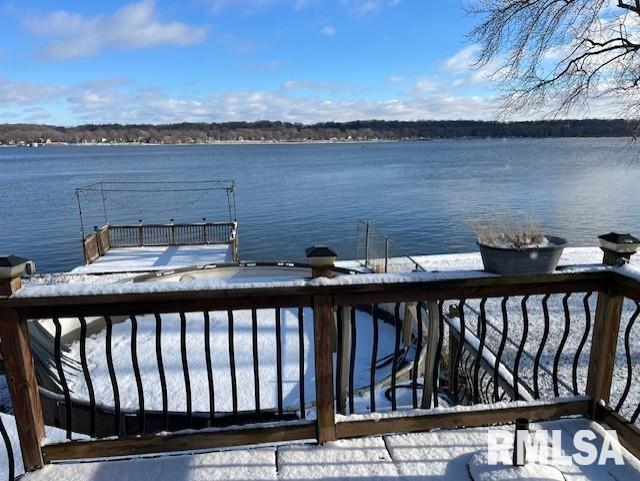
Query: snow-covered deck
[
  {"x": 438, "y": 455},
  {"x": 143, "y": 259},
  {"x": 467, "y": 261}
]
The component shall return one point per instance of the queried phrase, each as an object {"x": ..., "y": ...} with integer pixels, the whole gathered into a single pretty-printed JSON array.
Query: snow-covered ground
[
  {"x": 556, "y": 332},
  {"x": 53, "y": 435},
  {"x": 439, "y": 455},
  {"x": 219, "y": 339},
  {"x": 132, "y": 259}
]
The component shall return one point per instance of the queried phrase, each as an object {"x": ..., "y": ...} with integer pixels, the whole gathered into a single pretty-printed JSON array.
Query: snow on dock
[{"x": 144, "y": 259}]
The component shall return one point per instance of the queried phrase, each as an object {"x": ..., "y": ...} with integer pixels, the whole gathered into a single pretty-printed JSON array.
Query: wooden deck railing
[
  {"x": 109, "y": 236},
  {"x": 541, "y": 376}
]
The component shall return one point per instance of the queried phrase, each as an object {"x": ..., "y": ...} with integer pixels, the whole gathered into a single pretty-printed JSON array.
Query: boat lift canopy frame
[{"x": 104, "y": 188}]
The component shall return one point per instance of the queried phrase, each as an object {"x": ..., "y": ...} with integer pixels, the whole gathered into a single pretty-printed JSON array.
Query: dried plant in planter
[{"x": 511, "y": 235}]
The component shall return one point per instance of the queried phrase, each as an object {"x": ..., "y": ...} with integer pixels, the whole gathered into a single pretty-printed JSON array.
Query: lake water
[{"x": 425, "y": 195}]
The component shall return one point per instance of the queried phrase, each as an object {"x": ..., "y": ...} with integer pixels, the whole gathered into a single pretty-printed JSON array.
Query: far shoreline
[{"x": 296, "y": 142}]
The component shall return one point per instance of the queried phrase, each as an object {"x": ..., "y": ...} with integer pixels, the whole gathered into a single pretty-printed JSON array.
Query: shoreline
[{"x": 295, "y": 142}]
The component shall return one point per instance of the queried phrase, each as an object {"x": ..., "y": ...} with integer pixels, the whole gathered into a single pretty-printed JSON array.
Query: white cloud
[
  {"x": 462, "y": 60},
  {"x": 27, "y": 93},
  {"x": 245, "y": 4},
  {"x": 328, "y": 31},
  {"x": 135, "y": 25},
  {"x": 123, "y": 101},
  {"x": 309, "y": 85},
  {"x": 396, "y": 79},
  {"x": 463, "y": 63},
  {"x": 117, "y": 100},
  {"x": 426, "y": 86},
  {"x": 253, "y": 6},
  {"x": 364, "y": 7}
]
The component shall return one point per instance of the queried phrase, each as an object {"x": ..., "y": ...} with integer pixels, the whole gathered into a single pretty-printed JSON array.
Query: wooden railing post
[
  {"x": 603, "y": 347},
  {"x": 322, "y": 260},
  {"x": 617, "y": 248},
  {"x": 19, "y": 368}
]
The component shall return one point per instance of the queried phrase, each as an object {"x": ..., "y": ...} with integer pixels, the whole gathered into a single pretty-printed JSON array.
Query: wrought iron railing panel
[{"x": 152, "y": 372}]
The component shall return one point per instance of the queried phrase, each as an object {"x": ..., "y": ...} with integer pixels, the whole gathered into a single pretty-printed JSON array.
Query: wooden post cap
[
  {"x": 321, "y": 259},
  {"x": 618, "y": 247}
]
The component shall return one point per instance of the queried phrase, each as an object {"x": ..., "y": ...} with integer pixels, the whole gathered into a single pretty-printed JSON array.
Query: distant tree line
[{"x": 297, "y": 132}]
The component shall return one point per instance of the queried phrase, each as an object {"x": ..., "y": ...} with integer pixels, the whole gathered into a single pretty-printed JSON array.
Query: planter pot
[{"x": 533, "y": 260}]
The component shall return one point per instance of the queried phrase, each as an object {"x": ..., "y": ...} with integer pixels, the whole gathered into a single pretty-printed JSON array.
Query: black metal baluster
[
  {"x": 394, "y": 366},
  {"x": 416, "y": 358},
  {"x": 61, "y": 376},
  {"x": 256, "y": 372},
  {"x": 523, "y": 341},
  {"x": 340, "y": 347},
  {"x": 458, "y": 355},
  {"x": 482, "y": 320},
  {"x": 352, "y": 362},
  {"x": 163, "y": 381},
  {"x": 627, "y": 352},
  {"x": 436, "y": 364},
  {"x": 583, "y": 341},
  {"x": 136, "y": 373},
  {"x": 543, "y": 342},
  {"x": 112, "y": 376},
  {"x": 503, "y": 340},
  {"x": 374, "y": 360},
  {"x": 207, "y": 358},
  {"x": 565, "y": 335},
  {"x": 87, "y": 375},
  {"x": 279, "y": 362},
  {"x": 232, "y": 366},
  {"x": 11, "y": 467},
  {"x": 635, "y": 415},
  {"x": 185, "y": 367},
  {"x": 303, "y": 411}
]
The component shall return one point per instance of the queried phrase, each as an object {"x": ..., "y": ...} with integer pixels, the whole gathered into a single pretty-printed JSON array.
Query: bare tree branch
[{"x": 556, "y": 55}]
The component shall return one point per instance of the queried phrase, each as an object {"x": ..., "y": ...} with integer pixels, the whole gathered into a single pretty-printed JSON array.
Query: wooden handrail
[{"x": 362, "y": 292}]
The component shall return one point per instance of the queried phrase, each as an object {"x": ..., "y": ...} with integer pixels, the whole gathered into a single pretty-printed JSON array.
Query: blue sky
[{"x": 215, "y": 60}]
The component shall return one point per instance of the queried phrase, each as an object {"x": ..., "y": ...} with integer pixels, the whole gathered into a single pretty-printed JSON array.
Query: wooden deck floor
[{"x": 440, "y": 455}]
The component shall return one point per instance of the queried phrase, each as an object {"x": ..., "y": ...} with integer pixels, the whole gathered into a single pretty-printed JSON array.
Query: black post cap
[
  {"x": 12, "y": 261},
  {"x": 624, "y": 244},
  {"x": 617, "y": 238},
  {"x": 320, "y": 251},
  {"x": 12, "y": 266}
]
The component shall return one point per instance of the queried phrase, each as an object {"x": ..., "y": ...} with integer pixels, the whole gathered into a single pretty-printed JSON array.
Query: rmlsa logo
[{"x": 545, "y": 447}]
